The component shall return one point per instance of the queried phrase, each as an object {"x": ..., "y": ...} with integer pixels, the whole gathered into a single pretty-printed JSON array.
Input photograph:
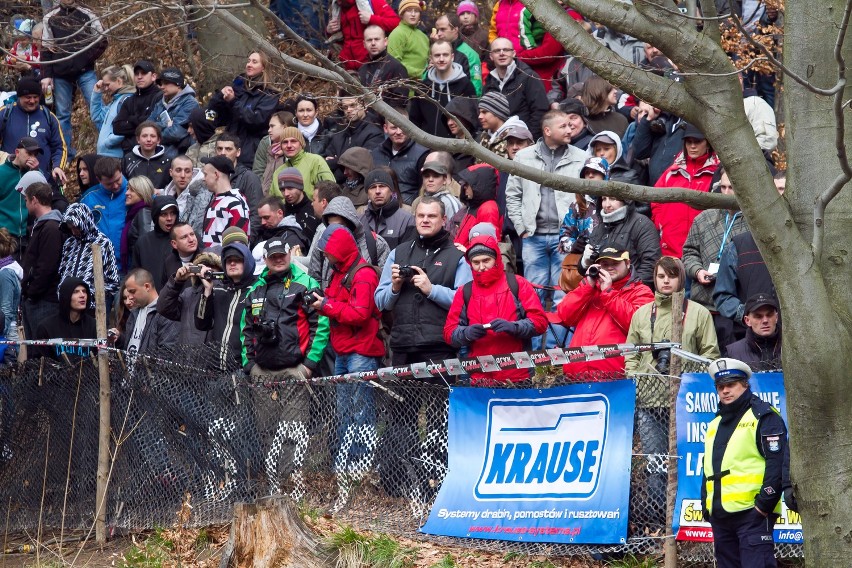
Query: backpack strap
[
  {"x": 372, "y": 247},
  {"x": 511, "y": 280}
]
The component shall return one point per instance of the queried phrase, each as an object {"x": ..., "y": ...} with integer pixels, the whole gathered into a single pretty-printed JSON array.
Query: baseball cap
[
  {"x": 519, "y": 132},
  {"x": 597, "y": 164},
  {"x": 436, "y": 167},
  {"x": 759, "y": 300},
  {"x": 172, "y": 75},
  {"x": 276, "y": 246},
  {"x": 30, "y": 145},
  {"x": 614, "y": 253},
  {"x": 221, "y": 163},
  {"x": 727, "y": 370},
  {"x": 144, "y": 65}
]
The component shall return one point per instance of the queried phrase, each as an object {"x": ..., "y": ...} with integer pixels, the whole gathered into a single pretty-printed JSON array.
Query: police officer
[{"x": 744, "y": 451}]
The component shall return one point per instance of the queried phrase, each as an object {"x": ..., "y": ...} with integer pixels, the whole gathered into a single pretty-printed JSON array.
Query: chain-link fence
[{"x": 372, "y": 453}]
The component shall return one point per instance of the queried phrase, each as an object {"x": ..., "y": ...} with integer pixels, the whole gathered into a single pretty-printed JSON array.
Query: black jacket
[
  {"x": 171, "y": 263},
  {"x": 660, "y": 148},
  {"x": 362, "y": 133},
  {"x": 636, "y": 233},
  {"x": 247, "y": 116},
  {"x": 134, "y": 111},
  {"x": 381, "y": 70},
  {"x": 406, "y": 163},
  {"x": 42, "y": 257},
  {"x": 152, "y": 248},
  {"x": 249, "y": 185},
  {"x": 159, "y": 332},
  {"x": 61, "y": 325},
  {"x": 178, "y": 302},
  {"x": 72, "y": 30},
  {"x": 761, "y": 352},
  {"x": 527, "y": 98},
  {"x": 156, "y": 168},
  {"x": 424, "y": 110},
  {"x": 304, "y": 214}
]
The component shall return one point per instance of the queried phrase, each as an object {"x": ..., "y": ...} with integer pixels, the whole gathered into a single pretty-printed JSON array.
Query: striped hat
[
  {"x": 291, "y": 177},
  {"x": 406, "y": 4},
  {"x": 293, "y": 132},
  {"x": 496, "y": 103}
]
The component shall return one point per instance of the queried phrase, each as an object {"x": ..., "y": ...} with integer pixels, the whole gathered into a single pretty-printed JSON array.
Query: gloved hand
[
  {"x": 790, "y": 500},
  {"x": 503, "y": 326},
  {"x": 588, "y": 253},
  {"x": 473, "y": 332}
]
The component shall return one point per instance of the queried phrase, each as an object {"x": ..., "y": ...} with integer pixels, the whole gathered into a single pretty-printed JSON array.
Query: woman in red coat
[
  {"x": 493, "y": 303},
  {"x": 693, "y": 169}
]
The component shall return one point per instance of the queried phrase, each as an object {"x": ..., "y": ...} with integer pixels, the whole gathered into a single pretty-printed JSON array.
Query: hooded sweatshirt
[
  {"x": 61, "y": 325},
  {"x": 318, "y": 266},
  {"x": 222, "y": 312},
  {"x": 89, "y": 160},
  {"x": 490, "y": 299},
  {"x": 111, "y": 211},
  {"x": 41, "y": 259},
  {"x": 77, "y": 252},
  {"x": 152, "y": 248},
  {"x": 425, "y": 111},
  {"x": 133, "y": 112},
  {"x": 481, "y": 207},
  {"x": 349, "y": 301}
]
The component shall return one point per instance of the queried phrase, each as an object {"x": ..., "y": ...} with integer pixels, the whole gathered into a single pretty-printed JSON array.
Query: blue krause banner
[
  {"x": 697, "y": 403},
  {"x": 538, "y": 466}
]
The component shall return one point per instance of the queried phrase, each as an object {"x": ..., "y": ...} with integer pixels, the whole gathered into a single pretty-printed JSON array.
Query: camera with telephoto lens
[
  {"x": 267, "y": 331},
  {"x": 663, "y": 358},
  {"x": 406, "y": 272},
  {"x": 657, "y": 126},
  {"x": 594, "y": 271}
]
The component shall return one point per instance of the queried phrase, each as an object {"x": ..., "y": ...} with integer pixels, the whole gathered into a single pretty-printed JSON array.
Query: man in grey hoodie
[{"x": 373, "y": 248}]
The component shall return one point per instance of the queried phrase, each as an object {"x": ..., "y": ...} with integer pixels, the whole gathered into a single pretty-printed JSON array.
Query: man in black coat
[
  {"x": 152, "y": 248},
  {"x": 358, "y": 132},
  {"x": 383, "y": 69},
  {"x": 137, "y": 107}
]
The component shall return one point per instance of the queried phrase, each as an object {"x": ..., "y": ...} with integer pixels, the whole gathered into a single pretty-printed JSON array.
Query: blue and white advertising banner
[
  {"x": 538, "y": 466},
  {"x": 697, "y": 403}
]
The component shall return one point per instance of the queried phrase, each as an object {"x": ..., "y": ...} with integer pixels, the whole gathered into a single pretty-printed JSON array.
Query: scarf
[
  {"x": 616, "y": 216},
  {"x": 309, "y": 131},
  {"x": 487, "y": 278}
]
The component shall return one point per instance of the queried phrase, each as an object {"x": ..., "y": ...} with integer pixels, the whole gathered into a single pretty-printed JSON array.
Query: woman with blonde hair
[
  {"x": 116, "y": 82},
  {"x": 246, "y": 105},
  {"x": 137, "y": 220}
]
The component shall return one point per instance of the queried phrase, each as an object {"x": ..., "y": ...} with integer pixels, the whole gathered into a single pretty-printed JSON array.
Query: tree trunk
[{"x": 269, "y": 533}]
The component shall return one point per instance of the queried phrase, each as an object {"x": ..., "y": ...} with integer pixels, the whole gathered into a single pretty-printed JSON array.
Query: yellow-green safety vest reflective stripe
[{"x": 741, "y": 476}]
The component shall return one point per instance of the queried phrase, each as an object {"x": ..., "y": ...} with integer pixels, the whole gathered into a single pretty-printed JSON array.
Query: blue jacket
[
  {"x": 179, "y": 109},
  {"x": 109, "y": 211},
  {"x": 40, "y": 124},
  {"x": 109, "y": 143}
]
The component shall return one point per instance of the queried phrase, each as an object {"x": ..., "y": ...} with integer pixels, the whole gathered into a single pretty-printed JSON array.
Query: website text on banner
[
  {"x": 697, "y": 403},
  {"x": 538, "y": 466}
]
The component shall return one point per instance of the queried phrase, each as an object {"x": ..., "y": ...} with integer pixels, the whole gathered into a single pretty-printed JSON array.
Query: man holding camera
[
  {"x": 601, "y": 307},
  {"x": 280, "y": 335}
]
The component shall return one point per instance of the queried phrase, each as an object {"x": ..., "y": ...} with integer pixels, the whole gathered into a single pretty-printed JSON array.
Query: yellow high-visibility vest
[{"x": 741, "y": 476}]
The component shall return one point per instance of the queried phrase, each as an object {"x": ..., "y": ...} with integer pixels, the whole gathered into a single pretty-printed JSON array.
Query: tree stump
[{"x": 269, "y": 533}]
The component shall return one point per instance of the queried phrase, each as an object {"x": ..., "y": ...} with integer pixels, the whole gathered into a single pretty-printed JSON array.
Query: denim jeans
[
  {"x": 543, "y": 266},
  {"x": 302, "y": 17},
  {"x": 356, "y": 415},
  {"x": 63, "y": 95}
]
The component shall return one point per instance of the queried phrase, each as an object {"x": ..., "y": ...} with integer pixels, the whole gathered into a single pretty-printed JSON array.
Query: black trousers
[{"x": 744, "y": 540}]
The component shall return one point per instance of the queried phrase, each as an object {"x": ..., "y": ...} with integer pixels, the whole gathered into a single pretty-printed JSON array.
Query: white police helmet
[{"x": 727, "y": 370}]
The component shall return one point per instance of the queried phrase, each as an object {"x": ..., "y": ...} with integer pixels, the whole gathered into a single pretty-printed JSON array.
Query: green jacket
[
  {"x": 411, "y": 47},
  {"x": 13, "y": 209},
  {"x": 474, "y": 64},
  {"x": 313, "y": 168},
  {"x": 699, "y": 337}
]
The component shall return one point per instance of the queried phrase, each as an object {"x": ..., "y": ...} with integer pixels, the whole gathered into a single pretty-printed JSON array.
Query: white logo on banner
[{"x": 548, "y": 448}]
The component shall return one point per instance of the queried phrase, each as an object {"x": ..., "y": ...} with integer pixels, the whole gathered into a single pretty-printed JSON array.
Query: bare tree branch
[
  {"x": 839, "y": 140},
  {"x": 787, "y": 71},
  {"x": 708, "y": 11}
]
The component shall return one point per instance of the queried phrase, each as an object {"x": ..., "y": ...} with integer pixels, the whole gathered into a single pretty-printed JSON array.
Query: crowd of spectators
[{"x": 308, "y": 244}]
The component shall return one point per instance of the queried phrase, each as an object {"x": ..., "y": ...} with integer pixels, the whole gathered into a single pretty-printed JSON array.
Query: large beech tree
[{"x": 804, "y": 236}]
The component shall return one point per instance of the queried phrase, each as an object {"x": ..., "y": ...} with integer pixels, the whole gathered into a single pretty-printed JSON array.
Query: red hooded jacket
[
  {"x": 352, "y": 313},
  {"x": 481, "y": 207},
  {"x": 673, "y": 220},
  {"x": 490, "y": 299},
  {"x": 601, "y": 318},
  {"x": 353, "y": 53}
]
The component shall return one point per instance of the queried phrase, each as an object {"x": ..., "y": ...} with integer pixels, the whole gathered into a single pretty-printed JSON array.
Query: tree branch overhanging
[{"x": 697, "y": 199}]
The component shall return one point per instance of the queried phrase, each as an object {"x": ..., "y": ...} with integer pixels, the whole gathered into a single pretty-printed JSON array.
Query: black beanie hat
[
  {"x": 28, "y": 85},
  {"x": 378, "y": 176}
]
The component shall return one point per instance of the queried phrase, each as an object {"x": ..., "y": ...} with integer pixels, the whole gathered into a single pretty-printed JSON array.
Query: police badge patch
[{"x": 772, "y": 443}]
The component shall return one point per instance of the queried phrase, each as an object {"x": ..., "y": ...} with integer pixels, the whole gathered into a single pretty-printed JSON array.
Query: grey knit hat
[{"x": 496, "y": 103}]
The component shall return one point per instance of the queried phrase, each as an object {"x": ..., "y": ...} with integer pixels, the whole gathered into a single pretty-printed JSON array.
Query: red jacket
[
  {"x": 353, "y": 315},
  {"x": 490, "y": 299},
  {"x": 601, "y": 318},
  {"x": 545, "y": 59},
  {"x": 353, "y": 53},
  {"x": 480, "y": 207},
  {"x": 488, "y": 212},
  {"x": 673, "y": 220}
]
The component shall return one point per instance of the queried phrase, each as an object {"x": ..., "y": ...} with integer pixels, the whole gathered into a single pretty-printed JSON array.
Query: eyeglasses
[{"x": 503, "y": 50}]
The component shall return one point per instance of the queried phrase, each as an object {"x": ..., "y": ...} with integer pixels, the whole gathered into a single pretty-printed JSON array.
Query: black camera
[
  {"x": 663, "y": 358},
  {"x": 593, "y": 272},
  {"x": 657, "y": 126},
  {"x": 267, "y": 331},
  {"x": 215, "y": 276},
  {"x": 308, "y": 298},
  {"x": 194, "y": 268},
  {"x": 407, "y": 272}
]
